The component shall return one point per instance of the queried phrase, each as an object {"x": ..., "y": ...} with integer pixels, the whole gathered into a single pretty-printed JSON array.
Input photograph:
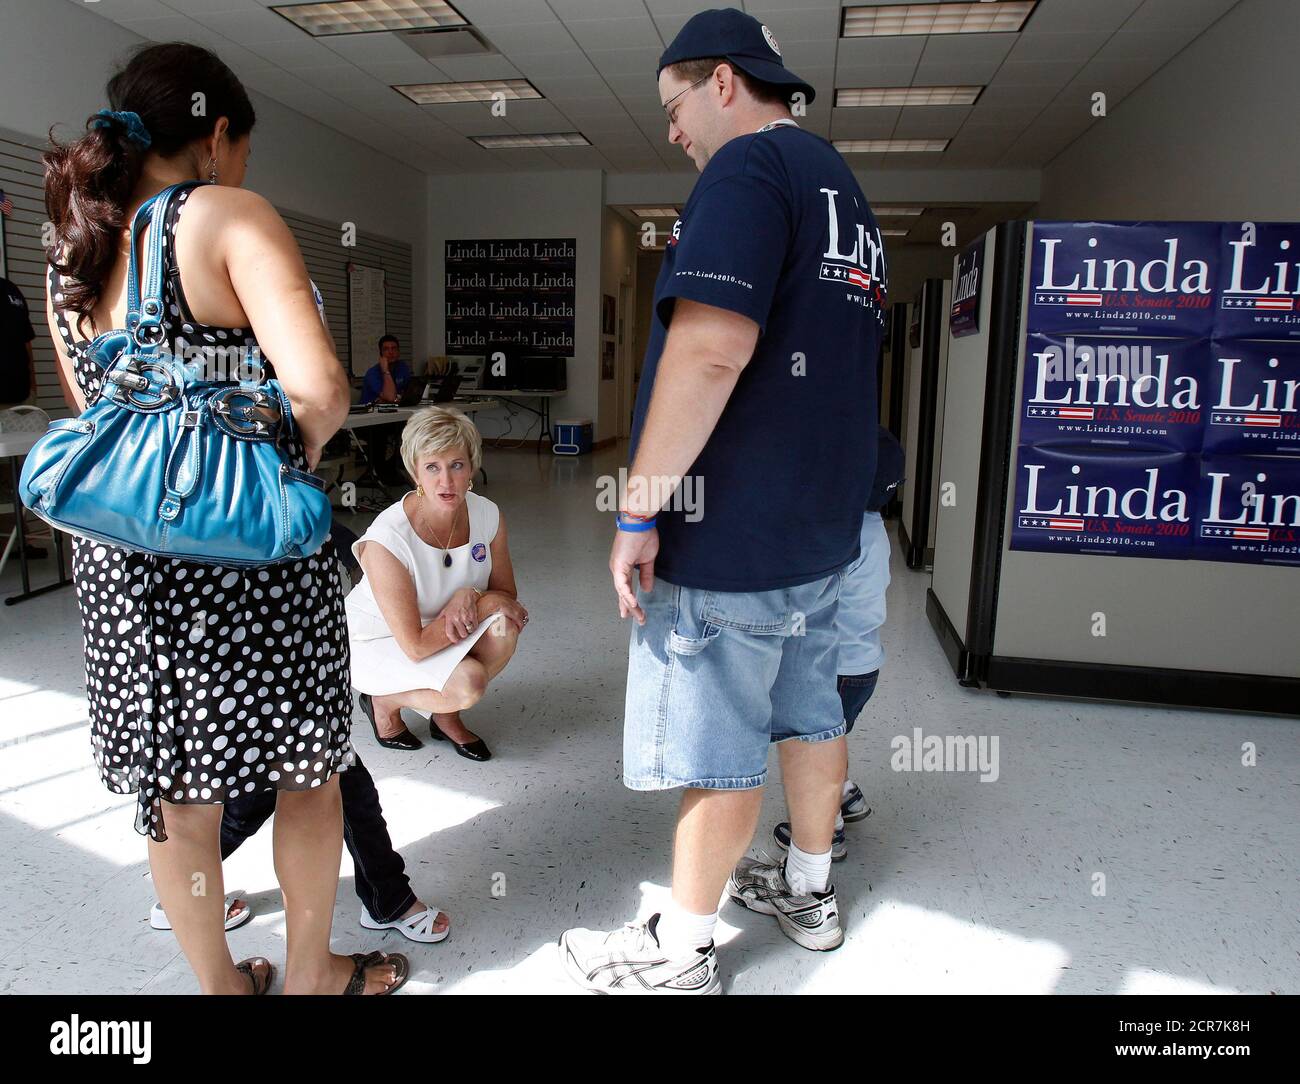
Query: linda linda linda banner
[
  {"x": 511, "y": 293},
  {"x": 1159, "y": 413}
]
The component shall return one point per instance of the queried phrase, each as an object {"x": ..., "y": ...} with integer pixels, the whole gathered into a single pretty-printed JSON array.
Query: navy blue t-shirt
[{"x": 778, "y": 230}]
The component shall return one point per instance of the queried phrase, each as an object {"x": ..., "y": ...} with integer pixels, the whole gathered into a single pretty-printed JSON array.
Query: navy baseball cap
[{"x": 741, "y": 39}]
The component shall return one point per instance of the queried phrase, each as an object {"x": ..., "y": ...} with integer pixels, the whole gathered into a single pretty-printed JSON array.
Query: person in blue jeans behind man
[
  {"x": 858, "y": 621},
  {"x": 754, "y": 443}
]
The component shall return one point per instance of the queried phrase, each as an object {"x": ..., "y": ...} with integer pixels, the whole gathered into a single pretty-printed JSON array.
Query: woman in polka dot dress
[{"x": 207, "y": 683}]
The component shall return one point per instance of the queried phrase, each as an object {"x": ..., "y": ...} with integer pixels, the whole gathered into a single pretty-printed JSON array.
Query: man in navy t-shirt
[{"x": 754, "y": 444}]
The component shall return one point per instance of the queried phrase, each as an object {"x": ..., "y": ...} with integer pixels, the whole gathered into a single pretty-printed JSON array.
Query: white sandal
[
  {"x": 158, "y": 917},
  {"x": 418, "y": 927}
]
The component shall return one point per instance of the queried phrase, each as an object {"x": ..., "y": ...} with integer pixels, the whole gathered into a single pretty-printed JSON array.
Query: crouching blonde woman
[{"x": 435, "y": 617}]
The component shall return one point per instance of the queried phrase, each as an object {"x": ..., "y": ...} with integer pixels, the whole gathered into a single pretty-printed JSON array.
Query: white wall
[
  {"x": 497, "y": 206},
  {"x": 1210, "y": 136},
  {"x": 56, "y": 57}
]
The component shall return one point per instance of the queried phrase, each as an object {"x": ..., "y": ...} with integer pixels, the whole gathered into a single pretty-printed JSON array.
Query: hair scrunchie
[{"x": 135, "y": 129}]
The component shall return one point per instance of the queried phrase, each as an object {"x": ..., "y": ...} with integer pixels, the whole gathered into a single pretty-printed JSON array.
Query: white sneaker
[
  {"x": 630, "y": 961},
  {"x": 811, "y": 920}
]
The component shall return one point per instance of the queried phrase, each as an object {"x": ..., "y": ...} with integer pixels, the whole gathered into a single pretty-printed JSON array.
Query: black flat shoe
[
  {"x": 475, "y": 750},
  {"x": 405, "y": 740}
]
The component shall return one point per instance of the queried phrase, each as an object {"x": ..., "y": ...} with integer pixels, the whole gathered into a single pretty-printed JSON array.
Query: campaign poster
[
  {"x": 1119, "y": 392},
  {"x": 511, "y": 293},
  {"x": 1259, "y": 281},
  {"x": 1249, "y": 510},
  {"x": 1108, "y": 503},
  {"x": 964, "y": 315},
  {"x": 1145, "y": 278},
  {"x": 1253, "y": 398}
]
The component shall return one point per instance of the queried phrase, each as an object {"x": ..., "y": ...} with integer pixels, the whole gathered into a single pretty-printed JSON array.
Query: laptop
[
  {"x": 414, "y": 392},
  {"x": 447, "y": 389}
]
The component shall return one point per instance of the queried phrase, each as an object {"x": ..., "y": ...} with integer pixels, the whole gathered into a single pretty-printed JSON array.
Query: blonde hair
[{"x": 439, "y": 429}]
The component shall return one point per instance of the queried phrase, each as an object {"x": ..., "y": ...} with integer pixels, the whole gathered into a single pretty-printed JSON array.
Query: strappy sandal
[
  {"x": 246, "y": 967},
  {"x": 158, "y": 917},
  {"x": 418, "y": 927},
  {"x": 363, "y": 960}
]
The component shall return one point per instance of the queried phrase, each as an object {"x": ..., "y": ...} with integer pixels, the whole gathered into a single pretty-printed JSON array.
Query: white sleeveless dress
[{"x": 379, "y": 666}]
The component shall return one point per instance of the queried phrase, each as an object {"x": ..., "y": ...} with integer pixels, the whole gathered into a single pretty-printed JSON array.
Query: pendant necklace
[{"x": 446, "y": 557}]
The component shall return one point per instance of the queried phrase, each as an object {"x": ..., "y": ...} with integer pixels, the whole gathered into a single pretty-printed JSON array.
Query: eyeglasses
[{"x": 672, "y": 113}]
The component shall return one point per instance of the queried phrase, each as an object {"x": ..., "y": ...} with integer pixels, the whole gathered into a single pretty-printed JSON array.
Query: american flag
[
  {"x": 6, "y": 204},
  {"x": 1279, "y": 304},
  {"x": 1052, "y": 523}
]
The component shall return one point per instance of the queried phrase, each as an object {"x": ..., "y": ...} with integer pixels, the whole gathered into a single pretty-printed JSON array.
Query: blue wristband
[{"x": 634, "y": 524}]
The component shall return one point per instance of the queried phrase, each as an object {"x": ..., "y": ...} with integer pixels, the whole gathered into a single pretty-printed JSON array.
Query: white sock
[
  {"x": 839, "y": 822},
  {"x": 806, "y": 872},
  {"x": 844, "y": 791},
  {"x": 681, "y": 931}
]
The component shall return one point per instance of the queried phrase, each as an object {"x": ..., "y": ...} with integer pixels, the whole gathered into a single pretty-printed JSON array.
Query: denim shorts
[{"x": 714, "y": 677}]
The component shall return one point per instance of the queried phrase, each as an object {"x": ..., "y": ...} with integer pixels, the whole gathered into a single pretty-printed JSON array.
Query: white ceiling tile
[
  {"x": 874, "y": 75},
  {"x": 535, "y": 116},
  {"x": 637, "y": 63},
  {"x": 1054, "y": 16},
  {"x": 541, "y": 65},
  {"x": 293, "y": 54},
  {"x": 367, "y": 49},
  {"x": 119, "y": 10},
  {"x": 669, "y": 24},
  {"x": 251, "y": 26},
  {"x": 864, "y": 123},
  {"x": 881, "y": 52},
  {"x": 616, "y": 33},
  {"x": 1160, "y": 14},
  {"x": 490, "y": 13},
  {"x": 1016, "y": 116},
  {"x": 1040, "y": 47},
  {"x": 569, "y": 10},
  {"x": 931, "y": 122},
  {"x": 1039, "y": 74},
  {"x": 1157, "y": 46},
  {"x": 565, "y": 87},
  {"x": 406, "y": 71},
  {"x": 977, "y": 73},
  {"x": 517, "y": 41},
  {"x": 943, "y": 49},
  {"x": 462, "y": 68}
]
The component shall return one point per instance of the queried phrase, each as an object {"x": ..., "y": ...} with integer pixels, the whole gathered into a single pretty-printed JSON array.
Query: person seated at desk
[
  {"x": 384, "y": 382},
  {"x": 436, "y": 617}
]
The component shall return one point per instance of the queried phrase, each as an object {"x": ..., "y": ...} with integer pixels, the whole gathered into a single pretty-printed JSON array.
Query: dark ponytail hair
[{"x": 89, "y": 182}]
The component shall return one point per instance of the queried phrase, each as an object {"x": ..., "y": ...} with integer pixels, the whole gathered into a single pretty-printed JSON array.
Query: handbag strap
[{"x": 145, "y": 299}]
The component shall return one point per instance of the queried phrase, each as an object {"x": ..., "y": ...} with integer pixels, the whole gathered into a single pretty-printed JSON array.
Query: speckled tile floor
[{"x": 952, "y": 884}]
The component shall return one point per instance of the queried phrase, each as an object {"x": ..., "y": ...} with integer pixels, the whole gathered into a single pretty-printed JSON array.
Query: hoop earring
[{"x": 212, "y": 171}]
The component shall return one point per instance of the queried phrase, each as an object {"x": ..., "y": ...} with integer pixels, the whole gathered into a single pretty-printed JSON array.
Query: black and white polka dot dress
[{"x": 206, "y": 682}]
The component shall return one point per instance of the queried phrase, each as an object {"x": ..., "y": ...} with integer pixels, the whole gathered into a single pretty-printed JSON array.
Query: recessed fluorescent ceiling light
[
  {"x": 655, "y": 212},
  {"x": 368, "y": 16},
  {"x": 897, "y": 212},
  {"x": 889, "y": 146},
  {"x": 546, "y": 139},
  {"x": 995, "y": 17},
  {"x": 907, "y": 96},
  {"x": 484, "y": 91}
]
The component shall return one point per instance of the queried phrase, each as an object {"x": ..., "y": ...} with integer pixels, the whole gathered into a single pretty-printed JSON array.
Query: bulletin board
[{"x": 367, "y": 319}]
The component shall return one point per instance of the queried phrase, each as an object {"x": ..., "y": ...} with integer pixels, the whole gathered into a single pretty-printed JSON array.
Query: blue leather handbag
[{"x": 168, "y": 463}]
